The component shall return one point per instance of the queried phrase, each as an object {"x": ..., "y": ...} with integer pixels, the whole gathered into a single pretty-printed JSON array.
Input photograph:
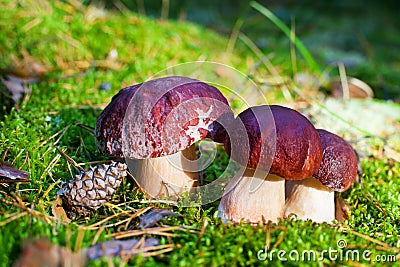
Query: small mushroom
[
  {"x": 155, "y": 125},
  {"x": 313, "y": 197},
  {"x": 284, "y": 145}
]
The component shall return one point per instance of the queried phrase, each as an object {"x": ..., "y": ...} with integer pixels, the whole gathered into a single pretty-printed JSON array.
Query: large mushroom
[
  {"x": 154, "y": 126},
  {"x": 282, "y": 146},
  {"x": 313, "y": 197}
]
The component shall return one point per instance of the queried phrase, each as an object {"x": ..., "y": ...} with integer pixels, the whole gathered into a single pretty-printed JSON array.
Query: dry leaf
[
  {"x": 356, "y": 89},
  {"x": 120, "y": 248},
  {"x": 342, "y": 209},
  {"x": 17, "y": 87},
  {"x": 58, "y": 211},
  {"x": 9, "y": 174},
  {"x": 41, "y": 252},
  {"x": 152, "y": 217},
  {"x": 6, "y": 101},
  {"x": 26, "y": 68}
]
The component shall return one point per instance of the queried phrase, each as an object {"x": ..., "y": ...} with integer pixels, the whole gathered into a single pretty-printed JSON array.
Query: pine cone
[{"x": 91, "y": 189}]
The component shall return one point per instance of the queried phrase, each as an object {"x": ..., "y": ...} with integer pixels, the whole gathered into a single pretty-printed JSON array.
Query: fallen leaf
[
  {"x": 9, "y": 174},
  {"x": 58, "y": 210},
  {"x": 16, "y": 86},
  {"x": 6, "y": 101},
  {"x": 152, "y": 217},
  {"x": 26, "y": 68},
  {"x": 41, "y": 252},
  {"x": 342, "y": 209},
  {"x": 356, "y": 89},
  {"x": 120, "y": 248}
]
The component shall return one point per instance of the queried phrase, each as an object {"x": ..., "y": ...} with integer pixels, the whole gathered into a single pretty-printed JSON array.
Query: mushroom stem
[
  {"x": 253, "y": 198},
  {"x": 168, "y": 176},
  {"x": 309, "y": 199}
]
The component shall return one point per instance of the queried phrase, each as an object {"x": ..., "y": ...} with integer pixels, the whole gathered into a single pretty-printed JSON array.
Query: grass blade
[{"x": 285, "y": 29}]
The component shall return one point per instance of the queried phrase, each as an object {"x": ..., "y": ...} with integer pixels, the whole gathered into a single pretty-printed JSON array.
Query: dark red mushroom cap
[
  {"x": 159, "y": 117},
  {"x": 286, "y": 138},
  {"x": 339, "y": 166},
  {"x": 108, "y": 131}
]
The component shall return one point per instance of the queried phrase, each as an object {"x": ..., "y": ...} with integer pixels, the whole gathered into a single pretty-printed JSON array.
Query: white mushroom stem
[
  {"x": 253, "y": 198},
  {"x": 309, "y": 199},
  {"x": 166, "y": 177}
]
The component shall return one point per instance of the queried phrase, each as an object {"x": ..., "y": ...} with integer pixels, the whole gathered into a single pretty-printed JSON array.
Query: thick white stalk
[
  {"x": 309, "y": 199},
  {"x": 253, "y": 198},
  {"x": 166, "y": 177}
]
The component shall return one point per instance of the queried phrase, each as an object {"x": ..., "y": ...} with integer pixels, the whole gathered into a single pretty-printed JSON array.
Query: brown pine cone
[{"x": 91, "y": 189}]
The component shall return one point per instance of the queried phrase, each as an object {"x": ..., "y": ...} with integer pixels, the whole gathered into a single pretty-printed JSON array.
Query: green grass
[
  {"x": 59, "y": 36},
  {"x": 298, "y": 43}
]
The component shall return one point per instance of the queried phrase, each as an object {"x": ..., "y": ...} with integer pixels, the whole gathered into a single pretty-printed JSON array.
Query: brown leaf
[
  {"x": 58, "y": 211},
  {"x": 26, "y": 68},
  {"x": 356, "y": 89},
  {"x": 9, "y": 174},
  {"x": 17, "y": 87},
  {"x": 152, "y": 217},
  {"x": 6, "y": 101},
  {"x": 41, "y": 252},
  {"x": 120, "y": 248},
  {"x": 342, "y": 209}
]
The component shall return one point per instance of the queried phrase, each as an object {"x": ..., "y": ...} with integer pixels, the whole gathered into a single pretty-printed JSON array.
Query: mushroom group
[
  {"x": 284, "y": 146},
  {"x": 306, "y": 167},
  {"x": 288, "y": 166}
]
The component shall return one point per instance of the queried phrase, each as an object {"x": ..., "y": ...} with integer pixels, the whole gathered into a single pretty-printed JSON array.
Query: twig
[
  {"x": 153, "y": 231},
  {"x": 378, "y": 204},
  {"x": 280, "y": 239},
  {"x": 94, "y": 162},
  {"x": 70, "y": 160},
  {"x": 344, "y": 82},
  {"x": 96, "y": 225},
  {"x": 61, "y": 133},
  {"x": 234, "y": 36},
  {"x": 147, "y": 251},
  {"x": 50, "y": 188},
  {"x": 13, "y": 218},
  {"x": 267, "y": 63},
  {"x": 50, "y": 166},
  {"x": 382, "y": 244},
  {"x": 97, "y": 235},
  {"x": 161, "y": 201},
  {"x": 88, "y": 128},
  {"x": 17, "y": 202},
  {"x": 17, "y": 156}
]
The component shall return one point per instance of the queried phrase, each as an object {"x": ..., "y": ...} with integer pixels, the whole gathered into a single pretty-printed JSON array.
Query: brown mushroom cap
[
  {"x": 159, "y": 117},
  {"x": 339, "y": 166},
  {"x": 108, "y": 131},
  {"x": 287, "y": 135}
]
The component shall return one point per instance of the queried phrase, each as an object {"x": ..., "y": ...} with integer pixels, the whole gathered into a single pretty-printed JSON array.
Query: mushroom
[
  {"x": 313, "y": 197},
  {"x": 283, "y": 145},
  {"x": 155, "y": 125}
]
